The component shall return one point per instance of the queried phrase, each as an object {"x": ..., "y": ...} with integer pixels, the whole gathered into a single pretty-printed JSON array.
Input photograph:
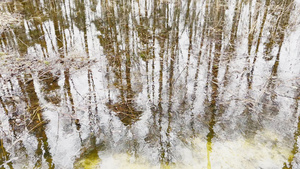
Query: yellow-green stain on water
[
  {"x": 205, "y": 155},
  {"x": 90, "y": 161}
]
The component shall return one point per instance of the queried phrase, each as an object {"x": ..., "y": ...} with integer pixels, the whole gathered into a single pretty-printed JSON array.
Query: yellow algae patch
[
  {"x": 266, "y": 149},
  {"x": 90, "y": 161},
  {"x": 126, "y": 161}
]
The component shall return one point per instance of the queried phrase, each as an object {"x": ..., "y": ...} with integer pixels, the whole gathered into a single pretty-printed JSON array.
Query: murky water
[{"x": 150, "y": 84}]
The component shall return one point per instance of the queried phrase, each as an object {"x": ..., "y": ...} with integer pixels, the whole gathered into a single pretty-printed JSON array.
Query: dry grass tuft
[{"x": 8, "y": 20}]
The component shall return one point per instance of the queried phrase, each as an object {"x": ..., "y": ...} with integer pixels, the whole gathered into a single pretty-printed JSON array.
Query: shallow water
[{"x": 150, "y": 84}]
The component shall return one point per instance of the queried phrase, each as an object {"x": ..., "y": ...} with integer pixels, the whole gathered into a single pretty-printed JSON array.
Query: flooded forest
[{"x": 154, "y": 84}]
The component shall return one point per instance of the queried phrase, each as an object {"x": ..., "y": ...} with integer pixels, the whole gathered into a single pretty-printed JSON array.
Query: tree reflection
[
  {"x": 295, "y": 149},
  {"x": 173, "y": 71},
  {"x": 120, "y": 57}
]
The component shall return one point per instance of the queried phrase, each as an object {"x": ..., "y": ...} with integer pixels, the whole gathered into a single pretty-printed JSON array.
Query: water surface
[{"x": 150, "y": 84}]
